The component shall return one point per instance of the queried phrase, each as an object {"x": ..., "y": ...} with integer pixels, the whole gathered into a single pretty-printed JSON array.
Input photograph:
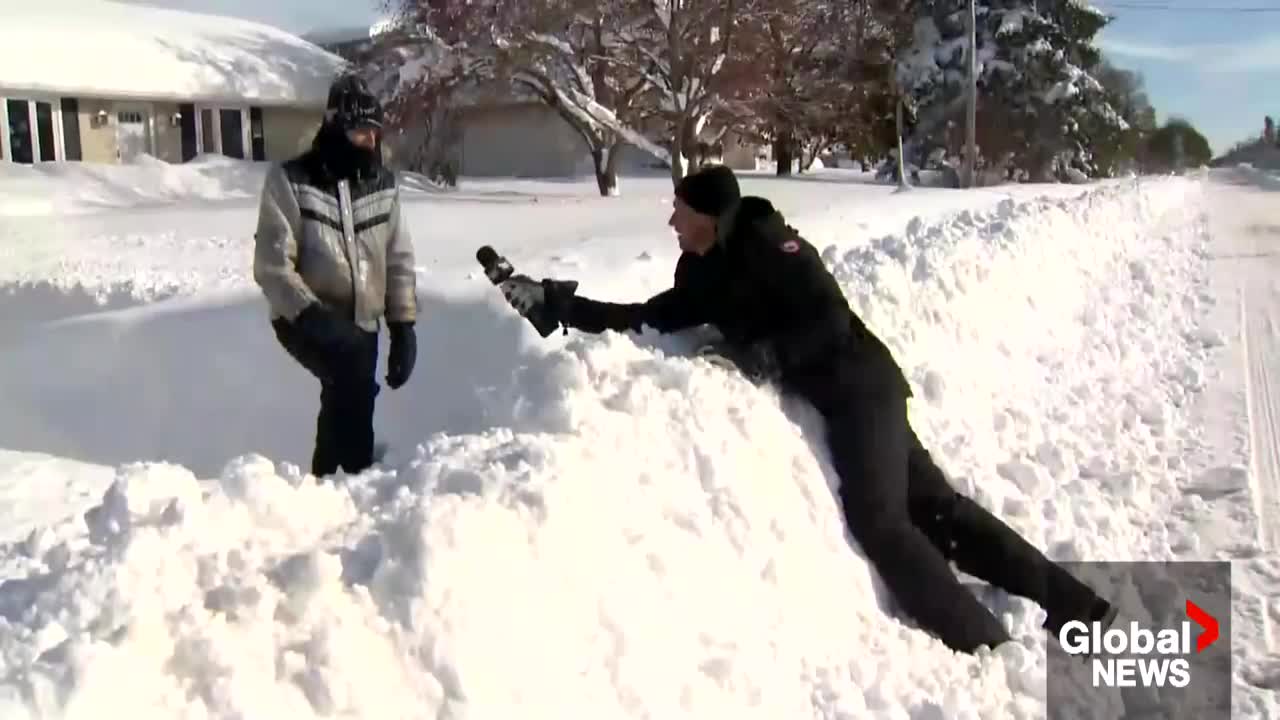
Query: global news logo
[{"x": 1138, "y": 656}]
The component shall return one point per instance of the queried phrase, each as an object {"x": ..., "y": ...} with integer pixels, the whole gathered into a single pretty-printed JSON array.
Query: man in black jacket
[
  {"x": 334, "y": 259},
  {"x": 784, "y": 319}
]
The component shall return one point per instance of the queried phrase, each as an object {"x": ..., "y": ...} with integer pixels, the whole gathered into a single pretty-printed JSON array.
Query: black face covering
[{"x": 343, "y": 159}]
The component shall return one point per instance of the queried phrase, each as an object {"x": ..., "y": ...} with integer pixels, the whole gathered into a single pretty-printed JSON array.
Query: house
[
  {"x": 138, "y": 80},
  {"x": 502, "y": 132}
]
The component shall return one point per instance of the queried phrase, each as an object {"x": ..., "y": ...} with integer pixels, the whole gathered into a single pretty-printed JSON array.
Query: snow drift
[
  {"x": 43, "y": 188},
  {"x": 599, "y": 526}
]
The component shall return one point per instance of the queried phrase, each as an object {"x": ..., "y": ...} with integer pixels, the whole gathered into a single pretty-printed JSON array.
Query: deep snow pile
[
  {"x": 78, "y": 188},
  {"x": 639, "y": 535}
]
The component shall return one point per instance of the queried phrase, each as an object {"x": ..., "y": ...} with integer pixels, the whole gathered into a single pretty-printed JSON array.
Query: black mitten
[
  {"x": 557, "y": 297},
  {"x": 403, "y": 354},
  {"x": 327, "y": 332},
  {"x": 544, "y": 303},
  {"x": 760, "y": 362}
]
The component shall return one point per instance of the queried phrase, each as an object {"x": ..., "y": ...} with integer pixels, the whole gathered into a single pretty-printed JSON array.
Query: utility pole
[
  {"x": 902, "y": 162},
  {"x": 971, "y": 127}
]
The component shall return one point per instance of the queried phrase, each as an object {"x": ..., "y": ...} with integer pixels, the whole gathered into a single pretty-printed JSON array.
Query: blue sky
[{"x": 1217, "y": 68}]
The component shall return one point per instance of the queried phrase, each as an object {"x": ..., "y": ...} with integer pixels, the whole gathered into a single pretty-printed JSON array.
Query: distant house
[
  {"x": 506, "y": 133},
  {"x": 138, "y": 80}
]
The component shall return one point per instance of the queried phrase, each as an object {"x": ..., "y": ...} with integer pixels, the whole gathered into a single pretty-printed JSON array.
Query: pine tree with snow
[{"x": 1039, "y": 111}]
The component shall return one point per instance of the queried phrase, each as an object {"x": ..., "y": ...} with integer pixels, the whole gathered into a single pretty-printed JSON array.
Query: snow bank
[
  {"x": 78, "y": 188},
  {"x": 189, "y": 372},
  {"x": 79, "y": 238},
  {"x": 608, "y": 528},
  {"x": 1245, "y": 173},
  {"x": 138, "y": 51},
  {"x": 66, "y": 188}
]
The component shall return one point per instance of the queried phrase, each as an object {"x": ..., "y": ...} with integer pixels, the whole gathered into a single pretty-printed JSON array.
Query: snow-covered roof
[{"x": 99, "y": 48}]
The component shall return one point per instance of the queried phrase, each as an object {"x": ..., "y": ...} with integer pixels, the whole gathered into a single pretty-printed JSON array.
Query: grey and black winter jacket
[{"x": 337, "y": 241}]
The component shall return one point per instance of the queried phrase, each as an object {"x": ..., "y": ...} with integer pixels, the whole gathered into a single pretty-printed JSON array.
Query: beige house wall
[
  {"x": 528, "y": 139},
  {"x": 289, "y": 131},
  {"x": 286, "y": 131},
  {"x": 738, "y": 153},
  {"x": 97, "y": 142},
  {"x": 519, "y": 140},
  {"x": 166, "y": 140}
]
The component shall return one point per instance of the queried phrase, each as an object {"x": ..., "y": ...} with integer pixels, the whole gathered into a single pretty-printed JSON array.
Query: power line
[{"x": 1187, "y": 8}]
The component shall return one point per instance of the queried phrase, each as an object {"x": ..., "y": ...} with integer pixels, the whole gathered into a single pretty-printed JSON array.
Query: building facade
[{"x": 191, "y": 84}]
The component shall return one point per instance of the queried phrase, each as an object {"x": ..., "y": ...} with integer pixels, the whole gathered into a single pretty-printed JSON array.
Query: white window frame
[
  {"x": 59, "y": 140},
  {"x": 246, "y": 137},
  {"x": 4, "y": 129}
]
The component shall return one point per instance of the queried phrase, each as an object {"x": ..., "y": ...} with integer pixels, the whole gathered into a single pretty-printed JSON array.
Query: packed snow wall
[{"x": 634, "y": 533}]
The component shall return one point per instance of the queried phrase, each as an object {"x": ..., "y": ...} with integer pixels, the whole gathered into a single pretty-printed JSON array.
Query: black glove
[
  {"x": 327, "y": 332},
  {"x": 545, "y": 302},
  {"x": 402, "y": 355},
  {"x": 760, "y": 362},
  {"x": 558, "y": 297}
]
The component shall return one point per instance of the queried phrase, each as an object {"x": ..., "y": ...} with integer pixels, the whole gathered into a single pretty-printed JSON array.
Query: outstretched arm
[{"x": 674, "y": 309}]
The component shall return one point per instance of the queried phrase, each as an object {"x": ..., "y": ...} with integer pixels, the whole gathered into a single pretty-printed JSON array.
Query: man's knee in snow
[
  {"x": 935, "y": 517},
  {"x": 879, "y": 532}
]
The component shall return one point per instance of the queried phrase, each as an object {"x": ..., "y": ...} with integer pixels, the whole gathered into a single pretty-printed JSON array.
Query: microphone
[{"x": 498, "y": 269}]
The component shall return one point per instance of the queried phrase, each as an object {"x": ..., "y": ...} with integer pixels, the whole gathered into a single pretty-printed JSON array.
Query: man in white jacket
[{"x": 334, "y": 259}]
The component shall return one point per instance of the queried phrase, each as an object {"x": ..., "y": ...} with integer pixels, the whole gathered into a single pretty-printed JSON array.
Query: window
[
  {"x": 224, "y": 130},
  {"x": 32, "y": 130},
  {"x": 232, "y": 133},
  {"x": 256, "y": 134},
  {"x": 130, "y": 117},
  {"x": 44, "y": 132},
  {"x": 190, "y": 146},
  {"x": 21, "y": 149},
  {"x": 208, "y": 137},
  {"x": 71, "y": 128}
]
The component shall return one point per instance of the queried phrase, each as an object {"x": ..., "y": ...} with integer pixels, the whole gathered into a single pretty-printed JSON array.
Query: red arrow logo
[{"x": 1206, "y": 621}]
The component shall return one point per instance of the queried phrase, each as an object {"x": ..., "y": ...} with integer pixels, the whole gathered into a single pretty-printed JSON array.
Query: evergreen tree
[{"x": 1040, "y": 111}]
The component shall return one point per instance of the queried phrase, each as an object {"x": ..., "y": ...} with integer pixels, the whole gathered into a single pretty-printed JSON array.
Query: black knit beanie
[
  {"x": 709, "y": 191},
  {"x": 351, "y": 105}
]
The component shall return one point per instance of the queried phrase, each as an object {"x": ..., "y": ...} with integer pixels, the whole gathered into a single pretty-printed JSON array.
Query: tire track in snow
[
  {"x": 1260, "y": 345},
  {"x": 1243, "y": 426}
]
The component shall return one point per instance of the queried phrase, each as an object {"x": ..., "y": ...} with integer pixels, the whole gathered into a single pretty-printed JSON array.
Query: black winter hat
[
  {"x": 351, "y": 105},
  {"x": 710, "y": 191}
]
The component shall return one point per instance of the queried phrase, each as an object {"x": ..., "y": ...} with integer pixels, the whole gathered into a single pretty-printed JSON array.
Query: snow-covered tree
[
  {"x": 1039, "y": 107},
  {"x": 419, "y": 74},
  {"x": 555, "y": 51},
  {"x": 1117, "y": 150},
  {"x": 788, "y": 56},
  {"x": 867, "y": 36},
  {"x": 681, "y": 50}
]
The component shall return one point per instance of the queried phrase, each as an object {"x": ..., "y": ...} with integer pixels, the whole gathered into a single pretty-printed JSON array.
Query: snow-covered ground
[{"x": 599, "y": 526}]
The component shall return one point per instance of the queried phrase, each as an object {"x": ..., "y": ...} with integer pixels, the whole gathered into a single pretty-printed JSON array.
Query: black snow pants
[
  {"x": 911, "y": 524},
  {"x": 348, "y": 389}
]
